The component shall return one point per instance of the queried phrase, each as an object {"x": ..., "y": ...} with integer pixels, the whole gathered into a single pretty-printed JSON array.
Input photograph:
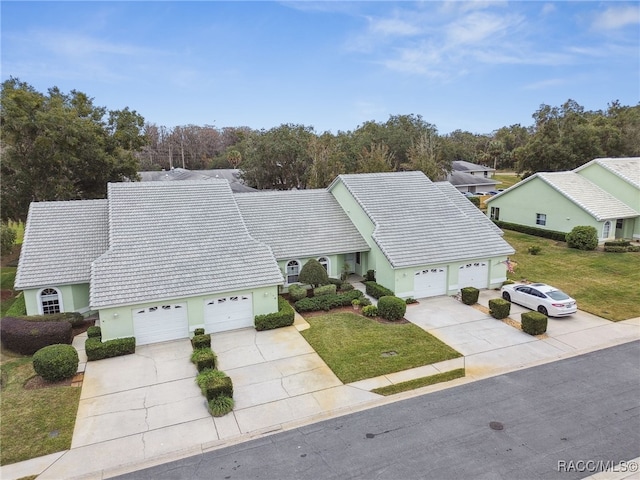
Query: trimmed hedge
[
  {"x": 346, "y": 287},
  {"x": 297, "y": 292},
  {"x": 370, "y": 276},
  {"x": 214, "y": 384},
  {"x": 56, "y": 362},
  {"x": 201, "y": 341},
  {"x": 376, "y": 290},
  {"x": 284, "y": 317},
  {"x": 203, "y": 358},
  {"x": 96, "y": 349},
  {"x": 325, "y": 290},
  {"x": 469, "y": 295},
  {"x": 27, "y": 337},
  {"x": 499, "y": 308},
  {"x": 534, "y": 323},
  {"x": 74, "y": 318},
  {"x": 327, "y": 302},
  {"x": 616, "y": 249},
  {"x": 336, "y": 281},
  {"x": 391, "y": 308},
  {"x": 617, "y": 243},
  {"x": 536, "y": 232},
  {"x": 94, "y": 332}
]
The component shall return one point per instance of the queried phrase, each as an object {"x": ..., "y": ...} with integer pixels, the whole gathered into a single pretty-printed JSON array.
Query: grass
[
  {"x": 34, "y": 422},
  {"x": 506, "y": 180},
  {"x": 7, "y": 277},
  {"x": 420, "y": 382},
  {"x": 603, "y": 283},
  {"x": 353, "y": 346}
]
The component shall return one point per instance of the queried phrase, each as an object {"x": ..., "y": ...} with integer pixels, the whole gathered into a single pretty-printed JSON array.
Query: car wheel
[
  {"x": 543, "y": 310},
  {"x": 506, "y": 296}
]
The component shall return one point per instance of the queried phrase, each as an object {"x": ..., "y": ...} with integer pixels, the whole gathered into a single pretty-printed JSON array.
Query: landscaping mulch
[{"x": 37, "y": 382}]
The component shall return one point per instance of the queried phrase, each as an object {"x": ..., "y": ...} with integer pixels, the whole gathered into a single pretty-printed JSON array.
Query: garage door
[
  {"x": 228, "y": 313},
  {"x": 160, "y": 323},
  {"x": 474, "y": 274},
  {"x": 430, "y": 282}
]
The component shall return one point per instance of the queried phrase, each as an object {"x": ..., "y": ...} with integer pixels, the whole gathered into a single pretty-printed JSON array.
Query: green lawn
[
  {"x": 420, "y": 382},
  {"x": 506, "y": 180},
  {"x": 605, "y": 284},
  {"x": 353, "y": 345},
  {"x": 8, "y": 275}
]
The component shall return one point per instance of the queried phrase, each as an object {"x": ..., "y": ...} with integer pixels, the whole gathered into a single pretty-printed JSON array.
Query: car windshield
[{"x": 558, "y": 295}]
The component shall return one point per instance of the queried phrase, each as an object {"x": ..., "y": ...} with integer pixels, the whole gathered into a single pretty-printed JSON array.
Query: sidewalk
[{"x": 152, "y": 412}]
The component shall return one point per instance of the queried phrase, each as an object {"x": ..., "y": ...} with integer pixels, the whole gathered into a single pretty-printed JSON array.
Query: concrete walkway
[{"x": 144, "y": 409}]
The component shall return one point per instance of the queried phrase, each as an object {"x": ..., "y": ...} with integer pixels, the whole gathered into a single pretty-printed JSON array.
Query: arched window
[
  {"x": 324, "y": 261},
  {"x": 293, "y": 270},
  {"x": 606, "y": 229},
  {"x": 50, "y": 301}
]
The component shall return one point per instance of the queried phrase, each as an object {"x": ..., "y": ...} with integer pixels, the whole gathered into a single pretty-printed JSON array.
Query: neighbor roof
[
  {"x": 232, "y": 175},
  {"x": 176, "y": 240},
  {"x": 302, "y": 223},
  {"x": 464, "y": 166},
  {"x": 463, "y": 179},
  {"x": 417, "y": 224},
  {"x": 60, "y": 242},
  {"x": 626, "y": 168}
]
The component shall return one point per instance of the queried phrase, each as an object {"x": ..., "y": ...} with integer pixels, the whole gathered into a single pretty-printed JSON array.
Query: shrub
[
  {"x": 297, "y": 292},
  {"x": 284, "y": 317},
  {"x": 18, "y": 308},
  {"x": 370, "y": 311},
  {"x": 470, "y": 295},
  {"x": 94, "y": 332},
  {"x": 499, "y": 308},
  {"x": 376, "y": 290},
  {"x": 370, "y": 276},
  {"x": 475, "y": 200},
  {"x": 7, "y": 239},
  {"x": 335, "y": 281},
  {"x": 355, "y": 302},
  {"x": 325, "y": 290},
  {"x": 313, "y": 273},
  {"x": 203, "y": 358},
  {"x": 537, "y": 232},
  {"x": 214, "y": 383},
  {"x": 74, "y": 318},
  {"x": 410, "y": 300},
  {"x": 201, "y": 341},
  {"x": 364, "y": 301},
  {"x": 391, "y": 308},
  {"x": 633, "y": 248},
  {"x": 616, "y": 249},
  {"x": 327, "y": 302},
  {"x": 25, "y": 337},
  {"x": 617, "y": 243},
  {"x": 534, "y": 249},
  {"x": 198, "y": 331},
  {"x": 220, "y": 406},
  {"x": 97, "y": 349},
  {"x": 583, "y": 238},
  {"x": 534, "y": 323},
  {"x": 56, "y": 362},
  {"x": 346, "y": 286}
]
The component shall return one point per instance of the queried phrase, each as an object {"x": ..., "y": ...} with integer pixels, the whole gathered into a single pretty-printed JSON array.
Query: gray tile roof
[
  {"x": 176, "y": 240},
  {"x": 416, "y": 224},
  {"x": 300, "y": 223},
  {"x": 232, "y": 175},
  {"x": 463, "y": 179},
  {"x": 587, "y": 195},
  {"x": 61, "y": 240},
  {"x": 627, "y": 168},
  {"x": 464, "y": 166}
]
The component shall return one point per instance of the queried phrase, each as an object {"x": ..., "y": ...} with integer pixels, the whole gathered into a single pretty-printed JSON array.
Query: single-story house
[
  {"x": 466, "y": 182},
  {"x": 157, "y": 260},
  {"x": 472, "y": 169},
  {"x": 603, "y": 193},
  {"x": 177, "y": 173}
]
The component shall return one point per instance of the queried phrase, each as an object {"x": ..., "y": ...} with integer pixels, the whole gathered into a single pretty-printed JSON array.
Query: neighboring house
[
  {"x": 159, "y": 259},
  {"x": 466, "y": 182},
  {"x": 232, "y": 175},
  {"x": 603, "y": 193},
  {"x": 472, "y": 169}
]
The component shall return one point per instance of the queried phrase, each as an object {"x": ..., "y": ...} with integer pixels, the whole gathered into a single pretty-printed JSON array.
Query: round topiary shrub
[
  {"x": 583, "y": 238},
  {"x": 391, "y": 308},
  {"x": 56, "y": 362}
]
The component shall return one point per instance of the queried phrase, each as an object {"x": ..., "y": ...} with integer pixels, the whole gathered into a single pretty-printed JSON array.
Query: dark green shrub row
[
  {"x": 499, "y": 308},
  {"x": 470, "y": 295},
  {"x": 536, "y": 232},
  {"x": 376, "y": 290},
  {"x": 346, "y": 287},
  {"x": 74, "y": 318},
  {"x": 94, "y": 332},
  {"x": 26, "y": 337},
  {"x": 214, "y": 384},
  {"x": 330, "y": 289},
  {"x": 56, "y": 362},
  {"x": 633, "y": 248},
  {"x": 204, "y": 358},
  {"x": 583, "y": 237},
  {"x": 327, "y": 302},
  {"x": 617, "y": 243},
  {"x": 616, "y": 249},
  {"x": 297, "y": 292},
  {"x": 96, "y": 349},
  {"x": 201, "y": 341},
  {"x": 370, "y": 276},
  {"x": 534, "y": 323},
  {"x": 391, "y": 308},
  {"x": 282, "y": 318},
  {"x": 335, "y": 281}
]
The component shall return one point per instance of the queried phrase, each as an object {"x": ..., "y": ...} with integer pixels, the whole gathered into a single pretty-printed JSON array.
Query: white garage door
[
  {"x": 474, "y": 274},
  {"x": 430, "y": 282},
  {"x": 228, "y": 313},
  {"x": 160, "y": 323}
]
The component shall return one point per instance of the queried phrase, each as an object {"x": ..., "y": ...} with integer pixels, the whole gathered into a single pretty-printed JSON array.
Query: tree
[
  {"x": 313, "y": 273},
  {"x": 7, "y": 239},
  {"x": 423, "y": 156},
  {"x": 61, "y": 147},
  {"x": 326, "y": 161},
  {"x": 376, "y": 158}
]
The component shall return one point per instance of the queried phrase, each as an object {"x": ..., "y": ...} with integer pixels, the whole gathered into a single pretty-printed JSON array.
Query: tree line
[{"x": 58, "y": 146}]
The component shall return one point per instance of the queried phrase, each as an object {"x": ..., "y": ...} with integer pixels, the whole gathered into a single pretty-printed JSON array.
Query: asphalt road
[{"x": 558, "y": 420}]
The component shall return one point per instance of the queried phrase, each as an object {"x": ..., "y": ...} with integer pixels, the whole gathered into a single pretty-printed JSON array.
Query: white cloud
[
  {"x": 614, "y": 18},
  {"x": 548, "y": 8},
  {"x": 393, "y": 26},
  {"x": 544, "y": 84},
  {"x": 479, "y": 27}
]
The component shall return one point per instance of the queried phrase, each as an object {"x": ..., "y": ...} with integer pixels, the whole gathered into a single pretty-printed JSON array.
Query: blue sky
[{"x": 474, "y": 66}]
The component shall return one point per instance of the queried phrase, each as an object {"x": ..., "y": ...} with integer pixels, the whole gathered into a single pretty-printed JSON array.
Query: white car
[{"x": 541, "y": 297}]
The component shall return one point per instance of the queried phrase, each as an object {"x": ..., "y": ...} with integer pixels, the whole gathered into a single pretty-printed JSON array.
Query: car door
[{"x": 521, "y": 296}]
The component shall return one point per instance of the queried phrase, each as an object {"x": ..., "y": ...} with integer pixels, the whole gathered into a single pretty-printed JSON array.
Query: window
[
  {"x": 495, "y": 213},
  {"x": 618, "y": 224},
  {"x": 324, "y": 261},
  {"x": 541, "y": 219},
  {"x": 293, "y": 270},
  {"x": 357, "y": 258},
  {"x": 606, "y": 229},
  {"x": 50, "y": 301}
]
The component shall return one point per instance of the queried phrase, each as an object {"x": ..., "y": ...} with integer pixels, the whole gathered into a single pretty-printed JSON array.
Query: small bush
[
  {"x": 198, "y": 331},
  {"x": 284, "y": 317},
  {"x": 220, "y": 406},
  {"x": 616, "y": 249},
  {"x": 203, "y": 358},
  {"x": 370, "y": 311},
  {"x": 26, "y": 337},
  {"x": 214, "y": 384},
  {"x": 534, "y": 250},
  {"x": 470, "y": 295},
  {"x": 327, "y": 302},
  {"x": 391, "y": 308},
  {"x": 297, "y": 292},
  {"x": 201, "y": 341},
  {"x": 325, "y": 290},
  {"x": 410, "y": 300},
  {"x": 370, "y": 276},
  {"x": 56, "y": 362},
  {"x": 583, "y": 238},
  {"x": 313, "y": 273},
  {"x": 335, "y": 281},
  {"x": 534, "y": 323},
  {"x": 94, "y": 332},
  {"x": 376, "y": 290},
  {"x": 346, "y": 286},
  {"x": 98, "y": 350},
  {"x": 630, "y": 248},
  {"x": 7, "y": 239},
  {"x": 499, "y": 308},
  {"x": 355, "y": 302},
  {"x": 364, "y": 301}
]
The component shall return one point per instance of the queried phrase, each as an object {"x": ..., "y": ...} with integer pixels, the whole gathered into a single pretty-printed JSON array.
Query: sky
[{"x": 475, "y": 66}]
